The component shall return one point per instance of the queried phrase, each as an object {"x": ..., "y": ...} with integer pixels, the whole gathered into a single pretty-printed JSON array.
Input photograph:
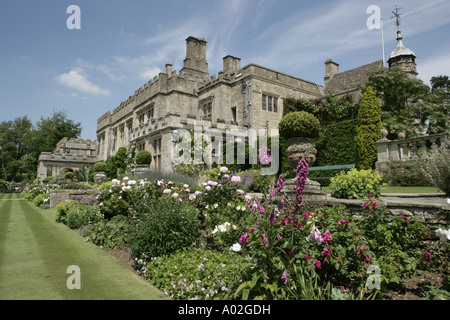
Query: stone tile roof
[{"x": 350, "y": 79}]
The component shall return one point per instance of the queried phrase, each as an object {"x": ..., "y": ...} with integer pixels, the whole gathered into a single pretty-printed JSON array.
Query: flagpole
[{"x": 382, "y": 40}]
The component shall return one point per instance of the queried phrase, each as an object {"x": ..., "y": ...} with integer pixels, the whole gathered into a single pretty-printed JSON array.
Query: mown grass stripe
[{"x": 39, "y": 250}]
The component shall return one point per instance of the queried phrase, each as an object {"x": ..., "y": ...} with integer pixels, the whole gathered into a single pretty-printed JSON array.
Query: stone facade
[
  {"x": 237, "y": 98},
  {"x": 69, "y": 155}
]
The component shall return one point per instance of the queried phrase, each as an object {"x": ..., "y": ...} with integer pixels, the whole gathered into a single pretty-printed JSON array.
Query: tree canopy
[
  {"x": 408, "y": 105},
  {"x": 21, "y": 142}
]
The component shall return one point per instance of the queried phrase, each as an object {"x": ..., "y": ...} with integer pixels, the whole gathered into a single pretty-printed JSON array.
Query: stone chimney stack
[
  {"x": 169, "y": 70},
  {"x": 231, "y": 65},
  {"x": 195, "y": 62},
  {"x": 331, "y": 68}
]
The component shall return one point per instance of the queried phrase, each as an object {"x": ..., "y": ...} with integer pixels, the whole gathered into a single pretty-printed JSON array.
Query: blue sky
[{"x": 46, "y": 67}]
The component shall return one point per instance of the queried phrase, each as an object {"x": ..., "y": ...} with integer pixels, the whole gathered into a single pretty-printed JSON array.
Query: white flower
[
  {"x": 115, "y": 182},
  {"x": 236, "y": 247},
  {"x": 175, "y": 195},
  {"x": 223, "y": 169},
  {"x": 240, "y": 191},
  {"x": 248, "y": 197},
  {"x": 197, "y": 193},
  {"x": 215, "y": 205},
  {"x": 443, "y": 235},
  {"x": 125, "y": 179},
  {"x": 167, "y": 191},
  {"x": 208, "y": 188},
  {"x": 192, "y": 197},
  {"x": 238, "y": 208},
  {"x": 131, "y": 182}
]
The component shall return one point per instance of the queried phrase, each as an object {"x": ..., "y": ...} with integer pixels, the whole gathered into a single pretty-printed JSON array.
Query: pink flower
[
  {"x": 223, "y": 169},
  {"x": 427, "y": 255},
  {"x": 326, "y": 252},
  {"x": 235, "y": 179},
  {"x": 307, "y": 214},
  {"x": 167, "y": 191},
  {"x": 243, "y": 237},
  {"x": 367, "y": 259},
  {"x": 342, "y": 221},
  {"x": 318, "y": 264},
  {"x": 285, "y": 277},
  {"x": 326, "y": 236}
]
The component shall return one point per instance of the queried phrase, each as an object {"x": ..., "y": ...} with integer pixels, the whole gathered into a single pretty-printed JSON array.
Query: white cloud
[
  {"x": 150, "y": 73},
  {"x": 434, "y": 66},
  {"x": 74, "y": 79}
]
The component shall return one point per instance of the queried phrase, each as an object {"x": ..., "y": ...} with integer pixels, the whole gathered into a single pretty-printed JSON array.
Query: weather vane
[{"x": 397, "y": 14}]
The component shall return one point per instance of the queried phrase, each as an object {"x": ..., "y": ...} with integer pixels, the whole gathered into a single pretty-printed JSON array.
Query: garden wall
[
  {"x": 58, "y": 196},
  {"x": 429, "y": 210}
]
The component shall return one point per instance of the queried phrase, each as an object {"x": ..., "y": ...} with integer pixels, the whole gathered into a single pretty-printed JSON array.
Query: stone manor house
[{"x": 240, "y": 97}]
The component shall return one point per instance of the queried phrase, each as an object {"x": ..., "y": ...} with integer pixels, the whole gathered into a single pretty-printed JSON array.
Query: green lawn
[{"x": 35, "y": 253}]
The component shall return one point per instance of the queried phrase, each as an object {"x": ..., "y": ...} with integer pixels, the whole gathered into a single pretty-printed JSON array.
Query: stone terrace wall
[{"x": 58, "y": 196}]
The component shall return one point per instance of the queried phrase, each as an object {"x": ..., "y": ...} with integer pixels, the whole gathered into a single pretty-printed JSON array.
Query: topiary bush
[
  {"x": 368, "y": 130},
  {"x": 69, "y": 175},
  {"x": 143, "y": 157},
  {"x": 356, "y": 184},
  {"x": 99, "y": 167},
  {"x": 299, "y": 124}
]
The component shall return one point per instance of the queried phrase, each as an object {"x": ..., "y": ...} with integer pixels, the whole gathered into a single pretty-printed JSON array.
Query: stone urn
[
  {"x": 100, "y": 177},
  {"x": 298, "y": 148}
]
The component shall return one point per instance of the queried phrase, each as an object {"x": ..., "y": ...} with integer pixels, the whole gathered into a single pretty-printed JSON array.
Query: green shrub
[
  {"x": 336, "y": 144},
  {"x": 48, "y": 179},
  {"x": 112, "y": 205},
  {"x": 62, "y": 209},
  {"x": 436, "y": 169},
  {"x": 110, "y": 234},
  {"x": 69, "y": 175},
  {"x": 143, "y": 157},
  {"x": 163, "y": 226},
  {"x": 79, "y": 215},
  {"x": 41, "y": 198},
  {"x": 99, "y": 167},
  {"x": 257, "y": 181},
  {"x": 368, "y": 130},
  {"x": 195, "y": 274},
  {"x": 356, "y": 184},
  {"x": 406, "y": 175},
  {"x": 299, "y": 124}
]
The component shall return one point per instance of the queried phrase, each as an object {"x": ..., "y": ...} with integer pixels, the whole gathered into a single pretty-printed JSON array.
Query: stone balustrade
[{"x": 406, "y": 150}]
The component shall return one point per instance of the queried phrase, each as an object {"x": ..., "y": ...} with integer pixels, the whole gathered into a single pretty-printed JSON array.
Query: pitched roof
[{"x": 350, "y": 79}]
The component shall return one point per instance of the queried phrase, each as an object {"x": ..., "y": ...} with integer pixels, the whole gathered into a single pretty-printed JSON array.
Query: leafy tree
[
  {"x": 367, "y": 130},
  {"x": 440, "y": 82},
  {"x": 328, "y": 110},
  {"x": 408, "y": 105},
  {"x": 21, "y": 142},
  {"x": 15, "y": 146},
  {"x": 49, "y": 131}
]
